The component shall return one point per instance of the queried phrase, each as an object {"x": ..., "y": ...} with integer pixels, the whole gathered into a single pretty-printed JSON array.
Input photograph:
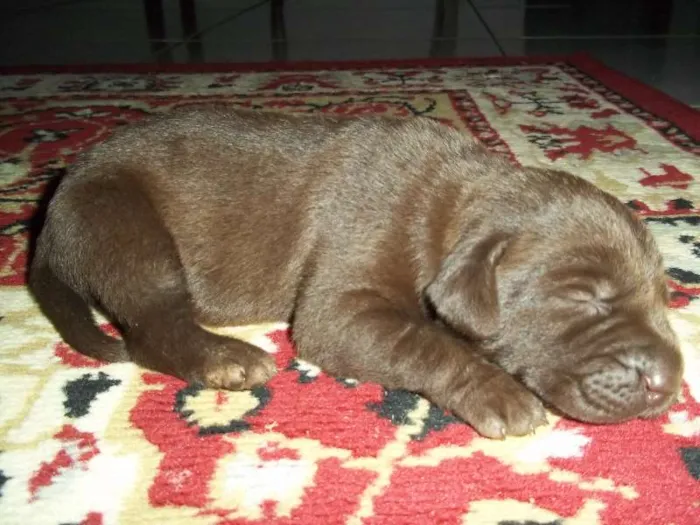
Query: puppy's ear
[{"x": 464, "y": 294}]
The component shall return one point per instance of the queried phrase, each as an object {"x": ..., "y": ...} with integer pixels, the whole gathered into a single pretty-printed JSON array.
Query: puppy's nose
[
  {"x": 659, "y": 385},
  {"x": 659, "y": 368}
]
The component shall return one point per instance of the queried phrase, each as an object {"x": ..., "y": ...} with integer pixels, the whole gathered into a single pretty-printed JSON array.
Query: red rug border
[{"x": 637, "y": 92}]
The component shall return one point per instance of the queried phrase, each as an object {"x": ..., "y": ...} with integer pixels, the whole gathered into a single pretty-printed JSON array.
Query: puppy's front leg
[{"x": 366, "y": 337}]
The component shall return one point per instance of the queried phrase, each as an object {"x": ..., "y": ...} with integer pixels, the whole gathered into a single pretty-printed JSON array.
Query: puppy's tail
[{"x": 71, "y": 315}]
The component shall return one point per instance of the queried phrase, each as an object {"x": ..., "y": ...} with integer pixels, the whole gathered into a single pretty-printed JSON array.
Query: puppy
[{"x": 400, "y": 250}]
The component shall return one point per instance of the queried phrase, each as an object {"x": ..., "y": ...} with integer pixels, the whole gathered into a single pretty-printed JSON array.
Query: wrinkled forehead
[
  {"x": 605, "y": 261},
  {"x": 608, "y": 272}
]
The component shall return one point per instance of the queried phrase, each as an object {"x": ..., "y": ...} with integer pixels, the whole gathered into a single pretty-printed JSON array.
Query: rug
[{"x": 86, "y": 443}]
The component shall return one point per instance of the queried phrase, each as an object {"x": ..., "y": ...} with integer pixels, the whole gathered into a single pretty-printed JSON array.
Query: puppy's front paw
[{"x": 500, "y": 406}]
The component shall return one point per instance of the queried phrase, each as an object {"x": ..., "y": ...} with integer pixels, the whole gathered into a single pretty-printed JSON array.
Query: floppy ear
[{"x": 464, "y": 294}]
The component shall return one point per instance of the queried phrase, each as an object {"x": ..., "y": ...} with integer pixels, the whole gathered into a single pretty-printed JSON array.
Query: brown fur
[{"x": 401, "y": 252}]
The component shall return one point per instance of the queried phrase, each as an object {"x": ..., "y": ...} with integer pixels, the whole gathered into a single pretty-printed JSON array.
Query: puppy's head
[{"x": 564, "y": 288}]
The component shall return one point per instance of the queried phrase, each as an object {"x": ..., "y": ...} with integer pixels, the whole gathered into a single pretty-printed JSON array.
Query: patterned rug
[{"x": 84, "y": 443}]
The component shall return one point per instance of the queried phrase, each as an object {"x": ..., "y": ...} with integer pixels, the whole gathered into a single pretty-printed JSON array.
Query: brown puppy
[{"x": 401, "y": 252}]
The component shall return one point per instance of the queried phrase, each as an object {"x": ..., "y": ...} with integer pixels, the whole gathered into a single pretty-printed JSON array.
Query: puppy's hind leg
[{"x": 103, "y": 242}]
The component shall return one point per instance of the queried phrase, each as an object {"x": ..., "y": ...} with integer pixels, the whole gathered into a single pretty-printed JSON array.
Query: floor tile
[
  {"x": 239, "y": 34},
  {"x": 337, "y": 31},
  {"x": 590, "y": 18},
  {"x": 99, "y": 31},
  {"x": 209, "y": 13}
]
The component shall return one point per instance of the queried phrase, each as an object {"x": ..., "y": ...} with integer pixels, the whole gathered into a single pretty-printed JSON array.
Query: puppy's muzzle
[{"x": 640, "y": 382}]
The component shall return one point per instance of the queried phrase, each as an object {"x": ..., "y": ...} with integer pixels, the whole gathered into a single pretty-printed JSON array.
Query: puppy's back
[{"x": 249, "y": 197}]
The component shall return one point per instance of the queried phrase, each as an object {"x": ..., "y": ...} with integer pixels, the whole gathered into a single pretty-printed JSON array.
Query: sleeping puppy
[{"x": 400, "y": 250}]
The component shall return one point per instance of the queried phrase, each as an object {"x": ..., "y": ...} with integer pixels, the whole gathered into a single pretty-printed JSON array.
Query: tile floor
[{"x": 656, "y": 41}]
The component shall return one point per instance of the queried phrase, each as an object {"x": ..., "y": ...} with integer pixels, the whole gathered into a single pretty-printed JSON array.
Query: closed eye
[
  {"x": 585, "y": 299},
  {"x": 596, "y": 307}
]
